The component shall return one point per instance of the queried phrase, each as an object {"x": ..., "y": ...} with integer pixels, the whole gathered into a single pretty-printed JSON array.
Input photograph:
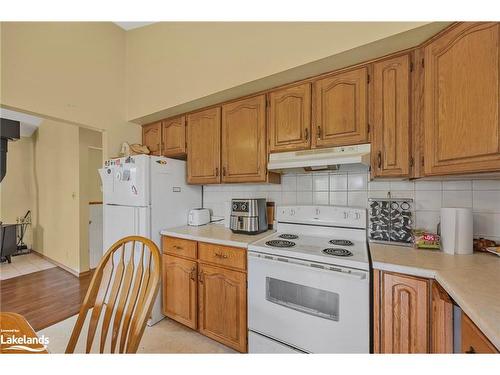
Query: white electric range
[{"x": 309, "y": 283}]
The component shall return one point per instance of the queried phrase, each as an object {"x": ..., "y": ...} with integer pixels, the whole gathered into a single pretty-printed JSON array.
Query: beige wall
[
  {"x": 17, "y": 194},
  {"x": 172, "y": 63},
  {"x": 57, "y": 188},
  {"x": 86, "y": 138},
  {"x": 70, "y": 71}
]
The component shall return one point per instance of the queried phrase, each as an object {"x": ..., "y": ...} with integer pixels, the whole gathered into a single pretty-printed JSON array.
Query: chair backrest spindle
[{"x": 124, "y": 288}]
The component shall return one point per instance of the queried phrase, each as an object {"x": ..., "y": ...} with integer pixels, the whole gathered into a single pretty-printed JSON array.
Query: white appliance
[
  {"x": 199, "y": 216},
  {"x": 142, "y": 195},
  {"x": 320, "y": 158},
  {"x": 309, "y": 283},
  {"x": 456, "y": 230}
]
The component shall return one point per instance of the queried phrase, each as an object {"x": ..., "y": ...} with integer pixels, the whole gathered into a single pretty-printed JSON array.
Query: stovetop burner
[
  {"x": 337, "y": 252},
  {"x": 287, "y": 236},
  {"x": 280, "y": 243},
  {"x": 341, "y": 242}
]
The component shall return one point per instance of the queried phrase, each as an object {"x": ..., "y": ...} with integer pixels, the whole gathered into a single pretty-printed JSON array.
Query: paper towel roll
[{"x": 456, "y": 230}]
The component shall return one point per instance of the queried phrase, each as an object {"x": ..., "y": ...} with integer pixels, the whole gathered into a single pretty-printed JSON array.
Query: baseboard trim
[{"x": 59, "y": 264}]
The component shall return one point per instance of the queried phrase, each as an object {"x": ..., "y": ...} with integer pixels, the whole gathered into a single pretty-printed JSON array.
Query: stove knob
[
  {"x": 235, "y": 207},
  {"x": 357, "y": 216},
  {"x": 292, "y": 212},
  {"x": 243, "y": 207}
]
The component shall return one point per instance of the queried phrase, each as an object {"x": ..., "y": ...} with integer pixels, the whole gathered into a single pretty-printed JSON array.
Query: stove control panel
[{"x": 323, "y": 215}]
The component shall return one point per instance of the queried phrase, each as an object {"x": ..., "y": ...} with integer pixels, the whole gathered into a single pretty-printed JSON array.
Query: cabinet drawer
[
  {"x": 473, "y": 340},
  {"x": 223, "y": 255},
  {"x": 179, "y": 246}
]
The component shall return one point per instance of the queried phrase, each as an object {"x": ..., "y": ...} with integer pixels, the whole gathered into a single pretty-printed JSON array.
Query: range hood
[{"x": 320, "y": 159}]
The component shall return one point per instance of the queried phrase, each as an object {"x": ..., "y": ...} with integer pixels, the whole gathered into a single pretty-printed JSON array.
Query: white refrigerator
[{"x": 142, "y": 195}]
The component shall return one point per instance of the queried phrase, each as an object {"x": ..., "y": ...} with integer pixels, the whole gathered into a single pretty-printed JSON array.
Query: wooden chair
[{"x": 124, "y": 289}]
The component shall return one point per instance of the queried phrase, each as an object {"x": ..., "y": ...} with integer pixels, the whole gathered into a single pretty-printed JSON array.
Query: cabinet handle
[
  {"x": 200, "y": 277},
  {"x": 471, "y": 350},
  {"x": 217, "y": 171},
  {"x": 319, "y": 132},
  {"x": 306, "y": 136},
  {"x": 221, "y": 255},
  {"x": 192, "y": 275},
  {"x": 223, "y": 171},
  {"x": 177, "y": 247},
  {"x": 379, "y": 159}
]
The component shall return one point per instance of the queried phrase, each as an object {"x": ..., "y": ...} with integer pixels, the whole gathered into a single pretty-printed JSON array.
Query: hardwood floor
[{"x": 45, "y": 297}]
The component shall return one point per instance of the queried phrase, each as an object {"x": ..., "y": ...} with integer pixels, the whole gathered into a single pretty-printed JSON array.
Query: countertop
[
  {"x": 473, "y": 281},
  {"x": 214, "y": 233}
]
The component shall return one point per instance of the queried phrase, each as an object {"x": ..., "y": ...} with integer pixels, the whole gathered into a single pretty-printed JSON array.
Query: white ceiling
[
  {"x": 132, "y": 25},
  {"x": 29, "y": 123}
]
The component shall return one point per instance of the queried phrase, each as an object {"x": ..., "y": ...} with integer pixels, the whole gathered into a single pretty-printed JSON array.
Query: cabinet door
[
  {"x": 391, "y": 117},
  {"x": 405, "y": 317},
  {"x": 222, "y": 306},
  {"x": 442, "y": 320},
  {"x": 203, "y": 153},
  {"x": 290, "y": 119},
  {"x": 244, "y": 155},
  {"x": 473, "y": 341},
  {"x": 151, "y": 137},
  {"x": 461, "y": 123},
  {"x": 179, "y": 290},
  {"x": 340, "y": 109},
  {"x": 174, "y": 137}
]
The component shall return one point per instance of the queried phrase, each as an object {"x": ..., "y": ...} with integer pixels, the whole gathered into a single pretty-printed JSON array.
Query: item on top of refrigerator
[
  {"x": 480, "y": 244},
  {"x": 494, "y": 250},
  {"x": 133, "y": 149},
  {"x": 426, "y": 240}
]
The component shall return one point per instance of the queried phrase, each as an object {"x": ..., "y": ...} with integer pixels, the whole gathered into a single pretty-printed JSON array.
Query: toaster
[
  {"x": 199, "y": 216},
  {"x": 248, "y": 216}
]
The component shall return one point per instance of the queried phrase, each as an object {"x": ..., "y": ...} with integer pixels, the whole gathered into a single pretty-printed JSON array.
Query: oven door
[{"x": 315, "y": 307}]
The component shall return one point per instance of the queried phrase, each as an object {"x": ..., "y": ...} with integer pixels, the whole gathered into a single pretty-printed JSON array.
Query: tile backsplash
[{"x": 354, "y": 189}]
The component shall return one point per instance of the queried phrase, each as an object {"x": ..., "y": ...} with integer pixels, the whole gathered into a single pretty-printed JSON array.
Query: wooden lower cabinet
[
  {"x": 222, "y": 305},
  {"x": 441, "y": 320},
  {"x": 206, "y": 290},
  {"x": 415, "y": 315},
  {"x": 473, "y": 340},
  {"x": 404, "y": 314},
  {"x": 180, "y": 290}
]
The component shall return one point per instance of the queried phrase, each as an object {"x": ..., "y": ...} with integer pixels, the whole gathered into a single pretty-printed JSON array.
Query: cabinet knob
[
  {"x": 471, "y": 350},
  {"x": 192, "y": 275},
  {"x": 200, "y": 277},
  {"x": 217, "y": 171},
  {"x": 223, "y": 171},
  {"x": 306, "y": 134},
  {"x": 319, "y": 132}
]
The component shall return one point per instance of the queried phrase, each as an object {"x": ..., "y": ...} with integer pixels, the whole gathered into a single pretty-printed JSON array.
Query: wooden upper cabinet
[
  {"x": 179, "y": 290},
  {"x": 244, "y": 155},
  {"x": 223, "y": 306},
  {"x": 289, "y": 126},
  {"x": 340, "y": 109},
  {"x": 203, "y": 153},
  {"x": 151, "y": 137},
  {"x": 390, "y": 101},
  {"x": 174, "y": 137},
  {"x": 404, "y": 314},
  {"x": 461, "y": 122}
]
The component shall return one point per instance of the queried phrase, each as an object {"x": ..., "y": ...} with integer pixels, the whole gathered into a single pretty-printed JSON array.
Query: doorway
[{"x": 95, "y": 206}]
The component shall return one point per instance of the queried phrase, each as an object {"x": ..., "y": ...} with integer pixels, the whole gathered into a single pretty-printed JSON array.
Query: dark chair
[{"x": 8, "y": 240}]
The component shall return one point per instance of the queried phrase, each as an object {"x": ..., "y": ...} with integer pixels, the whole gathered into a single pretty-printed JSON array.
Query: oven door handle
[{"x": 341, "y": 271}]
